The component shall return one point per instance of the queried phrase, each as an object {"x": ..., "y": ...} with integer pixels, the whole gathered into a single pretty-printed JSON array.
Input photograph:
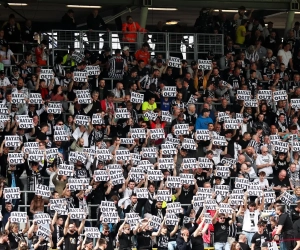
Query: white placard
[
  {"x": 251, "y": 103},
  {"x": 42, "y": 218},
  {"x": 136, "y": 97},
  {"x": 12, "y": 193},
  {"x": 279, "y": 95},
  {"x": 77, "y": 213},
  {"x": 77, "y": 56},
  {"x": 295, "y": 103},
  {"x": 80, "y": 76},
  {"x": 92, "y": 232},
  {"x": 35, "y": 98},
  {"x": 42, "y": 190},
  {"x": 17, "y": 98},
  {"x": 83, "y": 96},
  {"x": 243, "y": 95},
  {"x": 46, "y": 74},
  {"x": 15, "y": 158},
  {"x": 54, "y": 108},
  {"x": 157, "y": 133},
  {"x": 149, "y": 152},
  {"x": 173, "y": 182},
  {"x": 174, "y": 62},
  {"x": 169, "y": 91},
  {"x": 18, "y": 217},
  {"x": 264, "y": 95},
  {"x": 181, "y": 129},
  {"x": 204, "y": 64},
  {"x": 93, "y": 70},
  {"x": 64, "y": 169},
  {"x": 202, "y": 135}
]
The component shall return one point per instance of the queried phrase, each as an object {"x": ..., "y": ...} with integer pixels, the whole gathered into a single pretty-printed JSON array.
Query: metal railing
[{"x": 183, "y": 45}]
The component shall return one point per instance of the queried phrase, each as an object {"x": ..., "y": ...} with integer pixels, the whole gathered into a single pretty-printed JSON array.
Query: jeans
[
  {"x": 282, "y": 245},
  {"x": 249, "y": 237},
  {"x": 172, "y": 245},
  {"x": 222, "y": 246}
]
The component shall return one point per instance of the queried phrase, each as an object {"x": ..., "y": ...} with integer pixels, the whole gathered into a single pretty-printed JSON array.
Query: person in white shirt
[
  {"x": 251, "y": 216},
  {"x": 82, "y": 132},
  {"x": 4, "y": 81},
  {"x": 262, "y": 181},
  {"x": 285, "y": 56},
  {"x": 264, "y": 162}
]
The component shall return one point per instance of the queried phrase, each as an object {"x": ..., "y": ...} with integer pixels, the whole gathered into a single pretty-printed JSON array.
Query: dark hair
[
  {"x": 281, "y": 208},
  {"x": 55, "y": 90},
  {"x": 110, "y": 94}
]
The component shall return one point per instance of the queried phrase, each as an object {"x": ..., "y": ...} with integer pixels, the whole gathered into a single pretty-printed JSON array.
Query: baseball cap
[{"x": 125, "y": 48}]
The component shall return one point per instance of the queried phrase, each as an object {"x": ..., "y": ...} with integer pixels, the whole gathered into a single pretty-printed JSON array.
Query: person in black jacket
[
  {"x": 94, "y": 24},
  {"x": 295, "y": 213},
  {"x": 183, "y": 240},
  {"x": 67, "y": 23}
]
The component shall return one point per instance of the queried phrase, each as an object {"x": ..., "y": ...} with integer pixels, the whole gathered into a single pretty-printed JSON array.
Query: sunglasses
[{"x": 222, "y": 218}]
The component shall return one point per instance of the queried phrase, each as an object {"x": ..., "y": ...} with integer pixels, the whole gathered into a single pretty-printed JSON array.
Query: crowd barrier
[{"x": 182, "y": 45}]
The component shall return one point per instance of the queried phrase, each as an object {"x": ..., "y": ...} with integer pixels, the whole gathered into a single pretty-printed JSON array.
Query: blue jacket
[{"x": 202, "y": 123}]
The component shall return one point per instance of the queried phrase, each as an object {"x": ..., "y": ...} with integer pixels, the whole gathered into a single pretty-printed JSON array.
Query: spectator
[
  {"x": 94, "y": 24},
  {"x": 41, "y": 53},
  {"x": 130, "y": 30},
  {"x": 285, "y": 56},
  {"x": 143, "y": 54},
  {"x": 203, "y": 121}
]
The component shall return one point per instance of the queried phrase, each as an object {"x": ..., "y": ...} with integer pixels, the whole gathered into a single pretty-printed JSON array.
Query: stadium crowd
[{"x": 178, "y": 155}]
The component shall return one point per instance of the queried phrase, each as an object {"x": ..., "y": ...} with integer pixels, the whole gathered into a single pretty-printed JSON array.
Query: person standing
[
  {"x": 203, "y": 121},
  {"x": 95, "y": 23},
  {"x": 284, "y": 231},
  {"x": 221, "y": 225},
  {"x": 67, "y": 23},
  {"x": 117, "y": 66},
  {"x": 130, "y": 31},
  {"x": 259, "y": 237},
  {"x": 251, "y": 215}
]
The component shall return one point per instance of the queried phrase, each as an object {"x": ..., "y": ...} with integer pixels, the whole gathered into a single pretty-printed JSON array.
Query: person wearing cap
[
  {"x": 203, "y": 121},
  {"x": 130, "y": 30},
  {"x": 143, "y": 54},
  {"x": 130, "y": 59}
]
